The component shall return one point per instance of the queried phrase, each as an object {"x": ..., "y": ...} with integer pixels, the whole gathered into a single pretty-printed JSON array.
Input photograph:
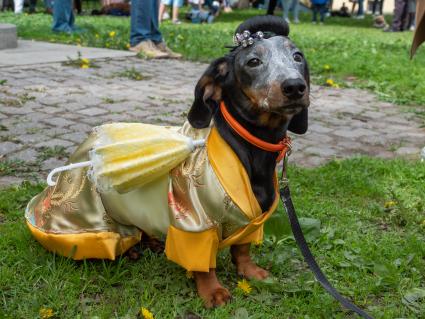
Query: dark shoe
[{"x": 390, "y": 30}]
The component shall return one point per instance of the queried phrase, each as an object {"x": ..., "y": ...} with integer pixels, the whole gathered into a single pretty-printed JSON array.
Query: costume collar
[{"x": 282, "y": 147}]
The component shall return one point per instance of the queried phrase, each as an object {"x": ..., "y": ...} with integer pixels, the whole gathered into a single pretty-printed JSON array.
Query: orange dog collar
[{"x": 282, "y": 147}]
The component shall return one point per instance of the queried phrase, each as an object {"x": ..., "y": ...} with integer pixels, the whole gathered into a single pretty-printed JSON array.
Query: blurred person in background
[
  {"x": 411, "y": 13},
  {"x": 319, "y": 6},
  {"x": 145, "y": 36},
  {"x": 360, "y": 10},
  {"x": 63, "y": 16},
  {"x": 165, "y": 4},
  {"x": 377, "y": 7},
  {"x": 399, "y": 17},
  {"x": 291, "y": 5}
]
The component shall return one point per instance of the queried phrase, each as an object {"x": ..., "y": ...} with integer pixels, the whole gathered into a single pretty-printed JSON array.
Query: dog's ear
[
  {"x": 299, "y": 123},
  {"x": 208, "y": 93}
]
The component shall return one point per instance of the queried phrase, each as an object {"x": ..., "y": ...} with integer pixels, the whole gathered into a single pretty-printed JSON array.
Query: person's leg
[
  {"x": 322, "y": 12},
  {"x": 271, "y": 7},
  {"x": 381, "y": 8},
  {"x": 296, "y": 5},
  {"x": 162, "y": 8},
  {"x": 78, "y": 6},
  {"x": 315, "y": 9},
  {"x": 400, "y": 11},
  {"x": 33, "y": 4},
  {"x": 360, "y": 11},
  {"x": 144, "y": 21},
  {"x": 286, "y": 6},
  {"x": 374, "y": 6},
  {"x": 19, "y": 6},
  {"x": 63, "y": 16},
  {"x": 176, "y": 5},
  {"x": 156, "y": 35}
]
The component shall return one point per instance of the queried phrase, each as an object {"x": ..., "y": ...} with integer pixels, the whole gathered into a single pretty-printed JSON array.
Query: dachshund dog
[
  {"x": 265, "y": 87},
  {"x": 217, "y": 197}
]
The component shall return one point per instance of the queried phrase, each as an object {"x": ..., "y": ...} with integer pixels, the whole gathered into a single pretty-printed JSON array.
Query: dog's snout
[{"x": 293, "y": 88}]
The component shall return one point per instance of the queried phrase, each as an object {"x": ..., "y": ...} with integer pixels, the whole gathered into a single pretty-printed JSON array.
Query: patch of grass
[
  {"x": 132, "y": 74},
  {"x": 348, "y": 51},
  {"x": 15, "y": 167},
  {"x": 49, "y": 152},
  {"x": 80, "y": 62},
  {"x": 3, "y": 82},
  {"x": 370, "y": 243}
]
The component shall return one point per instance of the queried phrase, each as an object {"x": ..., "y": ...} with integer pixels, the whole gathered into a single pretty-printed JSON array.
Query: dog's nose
[{"x": 293, "y": 88}]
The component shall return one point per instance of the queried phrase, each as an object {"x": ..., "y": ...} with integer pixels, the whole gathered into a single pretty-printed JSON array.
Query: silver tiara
[{"x": 246, "y": 38}]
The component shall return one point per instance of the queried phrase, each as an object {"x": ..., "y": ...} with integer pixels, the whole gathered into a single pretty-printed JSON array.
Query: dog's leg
[
  {"x": 210, "y": 289},
  {"x": 244, "y": 264}
]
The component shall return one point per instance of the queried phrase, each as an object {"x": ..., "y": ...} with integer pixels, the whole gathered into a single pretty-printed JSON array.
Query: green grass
[
  {"x": 370, "y": 243},
  {"x": 357, "y": 54}
]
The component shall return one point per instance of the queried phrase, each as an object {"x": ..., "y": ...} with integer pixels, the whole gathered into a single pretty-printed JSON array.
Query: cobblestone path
[{"x": 47, "y": 110}]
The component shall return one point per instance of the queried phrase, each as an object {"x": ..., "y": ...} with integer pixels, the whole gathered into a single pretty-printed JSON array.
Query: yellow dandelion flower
[
  {"x": 189, "y": 275},
  {"x": 390, "y": 204},
  {"x": 85, "y": 61},
  {"x": 127, "y": 45},
  {"x": 327, "y": 67},
  {"x": 112, "y": 34},
  {"x": 244, "y": 286},
  {"x": 96, "y": 36},
  {"x": 46, "y": 313},
  {"x": 330, "y": 82},
  {"x": 84, "y": 66},
  {"x": 145, "y": 313}
]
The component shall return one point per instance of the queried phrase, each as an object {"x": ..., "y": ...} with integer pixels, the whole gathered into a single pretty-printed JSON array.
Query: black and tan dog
[
  {"x": 218, "y": 197},
  {"x": 266, "y": 88}
]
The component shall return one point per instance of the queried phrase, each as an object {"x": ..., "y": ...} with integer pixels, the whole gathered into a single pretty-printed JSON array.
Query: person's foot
[
  {"x": 166, "y": 16},
  {"x": 389, "y": 29},
  {"x": 313, "y": 22},
  {"x": 359, "y": 17},
  {"x": 161, "y": 46},
  {"x": 177, "y": 21},
  {"x": 149, "y": 49},
  {"x": 227, "y": 9},
  {"x": 296, "y": 21}
]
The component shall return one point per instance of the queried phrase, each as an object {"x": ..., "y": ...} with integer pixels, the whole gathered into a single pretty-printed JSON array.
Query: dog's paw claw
[
  {"x": 221, "y": 296},
  {"x": 218, "y": 297}
]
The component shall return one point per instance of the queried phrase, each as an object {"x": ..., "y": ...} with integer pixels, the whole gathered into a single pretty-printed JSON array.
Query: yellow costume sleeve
[{"x": 194, "y": 251}]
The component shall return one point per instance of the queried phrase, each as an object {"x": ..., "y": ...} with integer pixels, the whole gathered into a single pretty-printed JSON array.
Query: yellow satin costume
[{"x": 204, "y": 204}]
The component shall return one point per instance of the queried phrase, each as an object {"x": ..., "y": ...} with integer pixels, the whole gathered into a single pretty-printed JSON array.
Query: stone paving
[{"x": 47, "y": 110}]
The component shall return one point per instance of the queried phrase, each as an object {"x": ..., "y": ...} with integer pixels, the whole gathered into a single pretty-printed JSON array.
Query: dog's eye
[
  {"x": 298, "y": 57},
  {"x": 254, "y": 62}
]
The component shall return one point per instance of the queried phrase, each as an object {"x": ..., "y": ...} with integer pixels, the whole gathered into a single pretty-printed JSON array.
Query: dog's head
[{"x": 266, "y": 83}]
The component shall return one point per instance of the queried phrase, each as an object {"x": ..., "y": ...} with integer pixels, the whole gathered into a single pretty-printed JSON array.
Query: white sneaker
[{"x": 165, "y": 16}]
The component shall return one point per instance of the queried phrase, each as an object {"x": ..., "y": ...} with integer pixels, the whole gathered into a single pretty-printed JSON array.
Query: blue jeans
[
  {"x": 290, "y": 4},
  {"x": 360, "y": 12},
  {"x": 63, "y": 16},
  {"x": 321, "y": 8},
  {"x": 144, "y": 22}
]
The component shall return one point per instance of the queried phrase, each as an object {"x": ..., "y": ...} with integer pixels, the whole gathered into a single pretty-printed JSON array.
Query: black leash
[{"x": 285, "y": 196}]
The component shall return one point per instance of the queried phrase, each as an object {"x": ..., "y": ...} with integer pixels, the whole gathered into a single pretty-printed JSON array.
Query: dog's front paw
[
  {"x": 216, "y": 297},
  {"x": 251, "y": 271}
]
